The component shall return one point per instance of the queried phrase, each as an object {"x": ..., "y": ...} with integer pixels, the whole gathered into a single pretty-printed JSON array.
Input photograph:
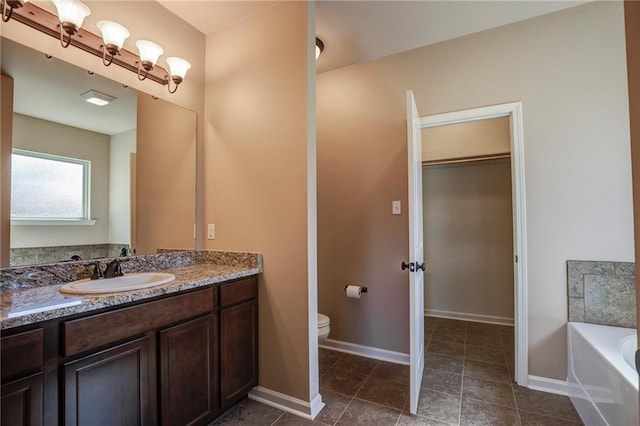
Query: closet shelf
[{"x": 470, "y": 159}]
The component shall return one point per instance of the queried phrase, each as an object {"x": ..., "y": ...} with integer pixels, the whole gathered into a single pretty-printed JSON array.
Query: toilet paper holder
[{"x": 362, "y": 289}]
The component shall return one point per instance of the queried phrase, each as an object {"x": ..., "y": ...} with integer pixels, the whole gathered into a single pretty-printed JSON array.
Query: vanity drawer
[
  {"x": 238, "y": 291},
  {"x": 22, "y": 352},
  {"x": 97, "y": 330}
]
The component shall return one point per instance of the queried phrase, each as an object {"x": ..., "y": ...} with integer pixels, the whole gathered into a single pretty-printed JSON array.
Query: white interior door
[{"x": 416, "y": 264}]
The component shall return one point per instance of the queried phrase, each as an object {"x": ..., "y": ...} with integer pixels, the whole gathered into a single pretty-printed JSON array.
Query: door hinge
[{"x": 516, "y": 258}]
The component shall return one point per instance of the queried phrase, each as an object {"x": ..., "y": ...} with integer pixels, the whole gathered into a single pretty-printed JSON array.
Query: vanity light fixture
[
  {"x": 149, "y": 53},
  {"x": 67, "y": 25},
  {"x": 9, "y": 5},
  {"x": 319, "y": 47},
  {"x": 113, "y": 37},
  {"x": 71, "y": 14},
  {"x": 97, "y": 98},
  {"x": 178, "y": 68}
]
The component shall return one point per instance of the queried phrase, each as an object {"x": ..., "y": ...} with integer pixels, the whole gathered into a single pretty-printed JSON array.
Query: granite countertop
[{"x": 31, "y": 305}]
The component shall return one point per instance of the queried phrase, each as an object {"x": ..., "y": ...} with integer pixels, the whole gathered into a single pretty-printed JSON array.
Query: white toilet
[{"x": 323, "y": 327}]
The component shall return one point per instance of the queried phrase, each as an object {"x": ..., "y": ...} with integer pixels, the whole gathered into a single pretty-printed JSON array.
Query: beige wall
[
  {"x": 145, "y": 20},
  {"x": 468, "y": 237},
  {"x": 572, "y": 83},
  {"x": 474, "y": 138},
  {"x": 6, "y": 132},
  {"x": 121, "y": 147},
  {"x": 362, "y": 168},
  {"x": 165, "y": 179},
  {"x": 33, "y": 134},
  {"x": 632, "y": 17},
  {"x": 256, "y": 175}
]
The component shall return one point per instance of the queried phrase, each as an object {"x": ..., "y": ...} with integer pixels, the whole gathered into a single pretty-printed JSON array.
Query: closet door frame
[{"x": 513, "y": 110}]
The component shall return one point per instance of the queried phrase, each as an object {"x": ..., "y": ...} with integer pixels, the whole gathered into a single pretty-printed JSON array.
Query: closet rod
[{"x": 462, "y": 160}]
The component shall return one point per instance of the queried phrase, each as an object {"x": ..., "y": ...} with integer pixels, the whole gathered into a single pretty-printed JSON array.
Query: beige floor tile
[
  {"x": 342, "y": 381},
  {"x": 479, "y": 353},
  {"x": 488, "y": 391},
  {"x": 446, "y": 348},
  {"x": 478, "y": 413},
  {"x": 398, "y": 373},
  {"x": 383, "y": 392},
  {"x": 442, "y": 381},
  {"x": 407, "y": 419},
  {"x": 486, "y": 370},
  {"x": 356, "y": 364},
  {"x": 439, "y": 406},
  {"x": 532, "y": 419},
  {"x": 545, "y": 403},
  {"x": 443, "y": 362},
  {"x": 249, "y": 412},
  {"x": 364, "y": 413},
  {"x": 334, "y": 406}
]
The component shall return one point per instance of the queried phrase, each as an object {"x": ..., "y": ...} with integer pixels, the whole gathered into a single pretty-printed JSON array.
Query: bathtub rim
[{"x": 607, "y": 341}]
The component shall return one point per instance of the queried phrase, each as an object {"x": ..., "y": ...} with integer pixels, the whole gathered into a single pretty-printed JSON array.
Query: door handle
[
  {"x": 422, "y": 266},
  {"x": 411, "y": 266}
]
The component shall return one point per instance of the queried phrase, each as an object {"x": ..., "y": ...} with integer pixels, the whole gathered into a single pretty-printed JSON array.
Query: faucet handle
[
  {"x": 118, "y": 269},
  {"x": 97, "y": 272}
]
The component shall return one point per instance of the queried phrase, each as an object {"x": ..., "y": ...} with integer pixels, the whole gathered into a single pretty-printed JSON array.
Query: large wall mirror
[{"x": 90, "y": 181}]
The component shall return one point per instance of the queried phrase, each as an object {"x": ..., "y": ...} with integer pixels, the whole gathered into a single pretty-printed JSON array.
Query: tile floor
[{"x": 468, "y": 380}]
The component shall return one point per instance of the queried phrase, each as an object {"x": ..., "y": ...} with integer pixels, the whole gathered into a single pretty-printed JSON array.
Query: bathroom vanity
[{"x": 179, "y": 354}]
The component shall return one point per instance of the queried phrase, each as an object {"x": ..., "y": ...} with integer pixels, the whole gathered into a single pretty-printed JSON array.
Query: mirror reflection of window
[{"x": 49, "y": 187}]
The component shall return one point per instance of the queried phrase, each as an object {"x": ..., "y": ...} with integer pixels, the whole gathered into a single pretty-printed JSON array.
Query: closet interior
[{"x": 468, "y": 221}]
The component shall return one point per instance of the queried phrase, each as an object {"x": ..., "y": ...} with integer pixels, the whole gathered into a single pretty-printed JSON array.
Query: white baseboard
[
  {"x": 298, "y": 407},
  {"x": 469, "y": 317},
  {"x": 366, "y": 351},
  {"x": 544, "y": 384}
]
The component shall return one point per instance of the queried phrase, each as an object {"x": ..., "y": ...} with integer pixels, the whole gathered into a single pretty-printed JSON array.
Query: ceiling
[
  {"x": 352, "y": 32},
  {"x": 36, "y": 96},
  {"x": 357, "y": 31}
]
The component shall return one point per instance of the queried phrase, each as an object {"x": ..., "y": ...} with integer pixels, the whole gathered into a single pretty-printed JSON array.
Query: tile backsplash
[
  {"x": 602, "y": 292},
  {"x": 39, "y": 255},
  {"x": 30, "y": 276}
]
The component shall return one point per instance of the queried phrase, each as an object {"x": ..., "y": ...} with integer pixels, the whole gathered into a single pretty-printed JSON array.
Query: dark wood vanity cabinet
[
  {"x": 110, "y": 387},
  {"x": 188, "y": 372},
  {"x": 22, "y": 401},
  {"x": 178, "y": 360},
  {"x": 238, "y": 350},
  {"x": 22, "y": 378}
]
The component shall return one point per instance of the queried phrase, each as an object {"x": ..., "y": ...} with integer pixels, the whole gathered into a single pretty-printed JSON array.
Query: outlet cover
[{"x": 396, "y": 207}]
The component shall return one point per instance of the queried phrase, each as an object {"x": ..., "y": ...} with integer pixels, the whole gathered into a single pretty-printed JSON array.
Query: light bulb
[
  {"x": 72, "y": 12},
  {"x": 113, "y": 35},
  {"x": 149, "y": 52},
  {"x": 178, "y": 67}
]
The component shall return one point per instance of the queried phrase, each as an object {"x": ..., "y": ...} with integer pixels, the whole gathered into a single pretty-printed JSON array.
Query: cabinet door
[
  {"x": 188, "y": 372},
  {"x": 110, "y": 387},
  {"x": 238, "y": 351},
  {"x": 22, "y": 402}
]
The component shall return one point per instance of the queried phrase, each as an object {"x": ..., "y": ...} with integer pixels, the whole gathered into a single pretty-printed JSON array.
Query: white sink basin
[{"x": 126, "y": 282}]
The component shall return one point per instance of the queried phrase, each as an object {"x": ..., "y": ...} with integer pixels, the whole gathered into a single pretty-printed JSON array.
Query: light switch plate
[
  {"x": 396, "y": 207},
  {"x": 211, "y": 231}
]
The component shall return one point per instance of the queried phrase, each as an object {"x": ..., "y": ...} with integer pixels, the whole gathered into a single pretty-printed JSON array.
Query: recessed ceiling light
[{"x": 97, "y": 98}]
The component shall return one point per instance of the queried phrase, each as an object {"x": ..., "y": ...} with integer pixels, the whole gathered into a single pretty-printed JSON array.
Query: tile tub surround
[
  {"x": 602, "y": 293},
  {"x": 38, "y": 287},
  {"x": 466, "y": 389}
]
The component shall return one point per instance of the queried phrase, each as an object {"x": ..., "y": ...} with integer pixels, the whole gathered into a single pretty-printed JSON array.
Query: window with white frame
[{"x": 49, "y": 187}]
